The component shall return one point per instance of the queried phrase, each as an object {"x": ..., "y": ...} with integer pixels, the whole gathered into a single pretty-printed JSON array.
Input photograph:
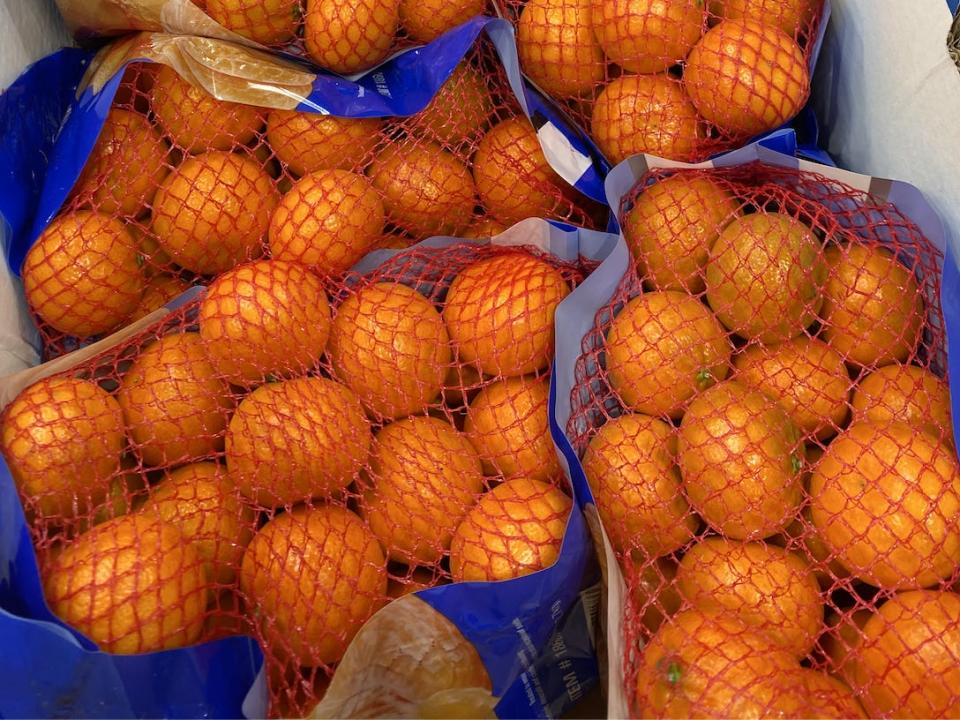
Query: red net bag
[
  {"x": 286, "y": 453},
  {"x": 763, "y": 420},
  {"x": 681, "y": 79},
  {"x": 181, "y": 186}
]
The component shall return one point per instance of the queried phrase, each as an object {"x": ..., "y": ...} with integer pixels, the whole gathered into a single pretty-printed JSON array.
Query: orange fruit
[
  {"x": 740, "y": 459},
  {"x": 484, "y": 227},
  {"x": 909, "y": 659},
  {"x": 801, "y": 535},
  {"x": 843, "y": 635},
  {"x": 907, "y": 394},
  {"x": 647, "y": 36},
  {"x": 269, "y": 22},
  {"x": 514, "y": 179},
  {"x": 132, "y": 585},
  {"x": 424, "y": 477},
  {"x": 426, "y": 189},
  {"x": 672, "y": 226},
  {"x": 316, "y": 575},
  {"x": 125, "y": 494},
  {"x": 631, "y": 467},
  {"x": 205, "y": 506},
  {"x": 416, "y": 579},
  {"x": 174, "y": 403},
  {"x": 298, "y": 439},
  {"x": 263, "y": 319},
  {"x": 653, "y": 592},
  {"x": 126, "y": 165},
  {"x": 829, "y": 697},
  {"x": 508, "y": 425},
  {"x": 516, "y": 529},
  {"x": 806, "y": 376},
  {"x": 159, "y": 290},
  {"x": 746, "y": 77},
  {"x": 767, "y": 588},
  {"x": 82, "y": 275},
  {"x": 557, "y": 47},
  {"x": 765, "y": 277},
  {"x": 196, "y": 121},
  {"x": 425, "y": 20},
  {"x": 152, "y": 258},
  {"x": 704, "y": 665},
  {"x": 884, "y": 498},
  {"x": 213, "y": 211},
  {"x": 792, "y": 16},
  {"x": 389, "y": 345},
  {"x": 307, "y": 142},
  {"x": 462, "y": 106},
  {"x": 650, "y": 114},
  {"x": 329, "y": 220},
  {"x": 873, "y": 308},
  {"x": 349, "y": 37},
  {"x": 62, "y": 440},
  {"x": 499, "y": 313},
  {"x": 663, "y": 348}
]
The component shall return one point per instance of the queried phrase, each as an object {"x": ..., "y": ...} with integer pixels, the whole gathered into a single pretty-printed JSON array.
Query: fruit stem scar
[
  {"x": 704, "y": 376},
  {"x": 796, "y": 463},
  {"x": 674, "y": 673}
]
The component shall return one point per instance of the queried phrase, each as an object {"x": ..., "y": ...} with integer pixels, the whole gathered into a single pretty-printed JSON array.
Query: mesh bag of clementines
[
  {"x": 764, "y": 423},
  {"x": 680, "y": 79},
  {"x": 286, "y": 454},
  {"x": 181, "y": 187}
]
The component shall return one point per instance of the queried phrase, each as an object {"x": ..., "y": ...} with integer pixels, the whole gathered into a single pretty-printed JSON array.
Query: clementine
[
  {"x": 647, "y": 36},
  {"x": 349, "y": 37},
  {"x": 307, "y": 142}
]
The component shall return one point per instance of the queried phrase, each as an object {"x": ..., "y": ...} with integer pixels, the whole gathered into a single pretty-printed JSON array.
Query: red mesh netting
[
  {"x": 286, "y": 454},
  {"x": 182, "y": 187},
  {"x": 682, "y": 79},
  {"x": 763, "y": 420}
]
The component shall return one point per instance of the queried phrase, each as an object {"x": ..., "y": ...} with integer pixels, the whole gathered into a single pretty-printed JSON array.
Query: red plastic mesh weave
[
  {"x": 182, "y": 187},
  {"x": 681, "y": 79},
  {"x": 762, "y": 417},
  {"x": 286, "y": 454}
]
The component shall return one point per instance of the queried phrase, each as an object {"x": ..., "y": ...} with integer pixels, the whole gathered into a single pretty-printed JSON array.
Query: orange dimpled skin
[
  {"x": 461, "y": 108},
  {"x": 307, "y": 142},
  {"x": 127, "y": 164},
  {"x": 295, "y": 440},
  {"x": 791, "y": 16},
  {"x": 908, "y": 394},
  {"x": 196, "y": 121},
  {"x": 329, "y": 220},
  {"x": 62, "y": 440},
  {"x": 174, "y": 404},
  {"x": 82, "y": 275},
  {"x": 316, "y": 575},
  {"x": 205, "y": 506},
  {"x": 829, "y": 697},
  {"x": 269, "y": 22},
  {"x": 483, "y": 228},
  {"x": 514, "y": 179},
  {"x": 499, "y": 313},
  {"x": 425, "y": 189},
  {"x": 767, "y": 588},
  {"x": 653, "y": 592},
  {"x": 159, "y": 290},
  {"x": 765, "y": 277},
  {"x": 389, "y": 345},
  {"x": 349, "y": 37},
  {"x": 873, "y": 307},
  {"x": 425, "y": 20},
  {"x": 663, "y": 348},
  {"x": 557, "y": 47},
  {"x": 806, "y": 376},
  {"x": 647, "y": 36},
  {"x": 885, "y": 498},
  {"x": 424, "y": 477},
  {"x": 516, "y": 529},
  {"x": 645, "y": 114},
  {"x": 264, "y": 319},
  {"x": 132, "y": 585},
  {"x": 672, "y": 226},
  {"x": 746, "y": 77},
  {"x": 909, "y": 659},
  {"x": 213, "y": 211},
  {"x": 631, "y": 467},
  {"x": 740, "y": 459},
  {"x": 508, "y": 425}
]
